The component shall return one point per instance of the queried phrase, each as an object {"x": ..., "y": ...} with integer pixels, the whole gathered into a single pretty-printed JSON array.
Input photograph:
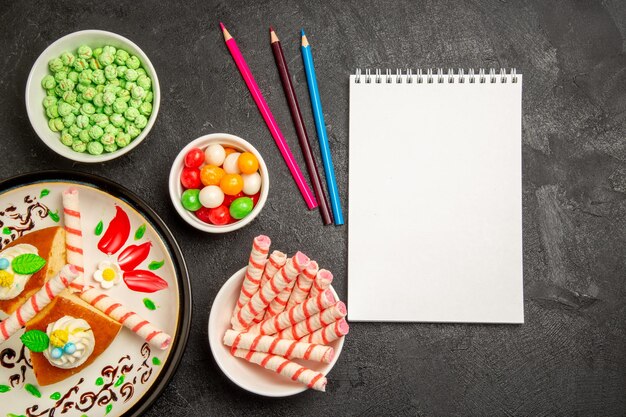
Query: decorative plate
[{"x": 130, "y": 374}]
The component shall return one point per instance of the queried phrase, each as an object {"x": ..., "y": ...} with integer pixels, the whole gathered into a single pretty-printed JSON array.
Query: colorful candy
[
  {"x": 222, "y": 185},
  {"x": 241, "y": 207}
]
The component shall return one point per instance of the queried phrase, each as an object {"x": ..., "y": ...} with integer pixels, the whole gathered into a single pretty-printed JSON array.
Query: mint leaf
[
  {"x": 35, "y": 340},
  {"x": 140, "y": 231},
  {"x": 120, "y": 381},
  {"x": 99, "y": 228},
  {"x": 27, "y": 263},
  {"x": 149, "y": 304},
  {"x": 4, "y": 388},
  {"x": 6, "y": 231},
  {"x": 154, "y": 265},
  {"x": 44, "y": 193},
  {"x": 54, "y": 216},
  {"x": 33, "y": 390}
]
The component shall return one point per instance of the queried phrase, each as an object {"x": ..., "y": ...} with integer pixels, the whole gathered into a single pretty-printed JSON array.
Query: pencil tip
[
  {"x": 272, "y": 29},
  {"x": 222, "y": 26},
  {"x": 302, "y": 32}
]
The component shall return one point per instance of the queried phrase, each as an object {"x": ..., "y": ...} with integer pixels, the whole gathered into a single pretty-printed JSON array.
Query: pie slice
[
  {"x": 103, "y": 328},
  {"x": 50, "y": 244}
]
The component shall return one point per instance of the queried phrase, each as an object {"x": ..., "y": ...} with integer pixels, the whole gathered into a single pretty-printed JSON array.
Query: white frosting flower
[
  {"x": 12, "y": 284},
  {"x": 71, "y": 342},
  {"x": 108, "y": 274}
]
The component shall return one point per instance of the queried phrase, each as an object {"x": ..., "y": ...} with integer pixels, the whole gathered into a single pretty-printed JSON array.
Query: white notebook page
[{"x": 435, "y": 210}]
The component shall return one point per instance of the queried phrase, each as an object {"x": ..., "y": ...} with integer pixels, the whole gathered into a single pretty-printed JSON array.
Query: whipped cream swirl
[
  {"x": 10, "y": 290},
  {"x": 69, "y": 332}
]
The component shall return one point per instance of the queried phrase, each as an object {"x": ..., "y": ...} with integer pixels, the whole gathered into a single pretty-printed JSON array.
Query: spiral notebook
[{"x": 435, "y": 197}]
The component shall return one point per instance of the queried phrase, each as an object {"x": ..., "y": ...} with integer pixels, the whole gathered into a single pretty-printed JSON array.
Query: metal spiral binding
[{"x": 438, "y": 76}]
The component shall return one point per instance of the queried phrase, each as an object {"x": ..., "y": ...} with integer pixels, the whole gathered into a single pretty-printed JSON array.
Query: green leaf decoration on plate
[
  {"x": 99, "y": 228},
  {"x": 15, "y": 415},
  {"x": 6, "y": 231},
  {"x": 55, "y": 396},
  {"x": 33, "y": 390},
  {"x": 149, "y": 304},
  {"x": 108, "y": 409},
  {"x": 27, "y": 263},
  {"x": 4, "y": 388},
  {"x": 140, "y": 231},
  {"x": 120, "y": 380},
  {"x": 99, "y": 381},
  {"x": 156, "y": 361},
  {"x": 35, "y": 340},
  {"x": 44, "y": 193},
  {"x": 54, "y": 215},
  {"x": 154, "y": 265}
]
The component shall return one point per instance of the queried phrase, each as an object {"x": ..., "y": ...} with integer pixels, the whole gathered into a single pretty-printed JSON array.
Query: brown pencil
[{"x": 303, "y": 138}]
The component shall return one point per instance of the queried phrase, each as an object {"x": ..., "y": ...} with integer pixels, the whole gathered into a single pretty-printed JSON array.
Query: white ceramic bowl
[
  {"x": 35, "y": 93},
  {"x": 176, "y": 188},
  {"x": 249, "y": 376}
]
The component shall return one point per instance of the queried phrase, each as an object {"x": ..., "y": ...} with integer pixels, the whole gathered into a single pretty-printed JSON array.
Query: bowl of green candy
[{"x": 92, "y": 96}]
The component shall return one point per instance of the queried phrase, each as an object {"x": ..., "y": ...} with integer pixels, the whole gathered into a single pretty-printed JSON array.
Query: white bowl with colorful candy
[
  {"x": 92, "y": 96},
  {"x": 219, "y": 183}
]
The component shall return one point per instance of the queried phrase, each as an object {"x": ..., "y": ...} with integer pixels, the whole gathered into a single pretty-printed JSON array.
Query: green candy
[
  {"x": 108, "y": 110},
  {"x": 110, "y": 72},
  {"x": 144, "y": 82},
  {"x": 80, "y": 65},
  {"x": 110, "y": 148},
  {"x": 58, "y": 91},
  {"x": 100, "y": 88},
  {"x": 79, "y": 146},
  {"x": 98, "y": 100},
  {"x": 97, "y": 52},
  {"x": 56, "y": 124},
  {"x": 66, "y": 85},
  {"x": 69, "y": 120},
  {"x": 121, "y": 56},
  {"x": 133, "y": 102},
  {"x": 133, "y": 62},
  {"x": 48, "y": 82},
  {"x": 74, "y": 130},
  {"x": 55, "y": 65},
  {"x": 131, "y": 113},
  {"x": 122, "y": 139},
  {"x": 138, "y": 92},
  {"x": 94, "y": 64},
  {"x": 145, "y": 108},
  {"x": 85, "y": 77},
  {"x": 66, "y": 138},
  {"x": 51, "y": 92},
  {"x": 149, "y": 97},
  {"x": 131, "y": 75},
  {"x": 76, "y": 107},
  {"x": 60, "y": 75},
  {"x": 73, "y": 75},
  {"x": 84, "y": 136},
  {"x": 101, "y": 120},
  {"x": 141, "y": 71},
  {"x": 69, "y": 97},
  {"x": 141, "y": 121},
  {"x": 64, "y": 108},
  {"x": 87, "y": 109},
  {"x": 132, "y": 130},
  {"x": 82, "y": 87},
  {"x": 82, "y": 121},
  {"x": 98, "y": 77},
  {"x": 95, "y": 132},
  {"x": 120, "y": 106},
  {"x": 68, "y": 59},
  {"x": 52, "y": 112},
  {"x": 95, "y": 148},
  {"x": 117, "y": 120},
  {"x": 89, "y": 93},
  {"x": 123, "y": 95},
  {"x": 111, "y": 129},
  {"x": 190, "y": 199},
  {"x": 49, "y": 101},
  {"x": 107, "y": 139},
  {"x": 84, "y": 52},
  {"x": 241, "y": 207},
  {"x": 105, "y": 58},
  {"x": 108, "y": 49},
  {"x": 108, "y": 97},
  {"x": 121, "y": 70}
]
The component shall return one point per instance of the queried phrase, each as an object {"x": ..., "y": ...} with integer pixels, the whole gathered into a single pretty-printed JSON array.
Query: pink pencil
[{"x": 269, "y": 119}]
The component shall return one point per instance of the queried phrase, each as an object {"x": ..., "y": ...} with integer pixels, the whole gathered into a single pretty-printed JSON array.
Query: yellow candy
[
  {"x": 6, "y": 279},
  {"x": 59, "y": 338},
  {"x": 108, "y": 274}
]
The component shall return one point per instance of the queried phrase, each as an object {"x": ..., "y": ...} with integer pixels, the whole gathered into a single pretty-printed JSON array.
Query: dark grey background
[{"x": 568, "y": 359}]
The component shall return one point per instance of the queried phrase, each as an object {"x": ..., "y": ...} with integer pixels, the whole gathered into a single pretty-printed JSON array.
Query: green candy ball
[
  {"x": 141, "y": 121},
  {"x": 131, "y": 113},
  {"x": 84, "y": 136},
  {"x": 67, "y": 139},
  {"x": 80, "y": 65},
  {"x": 84, "y": 52},
  {"x": 117, "y": 119},
  {"x": 120, "y": 106},
  {"x": 145, "y": 108},
  {"x": 87, "y": 109},
  {"x": 64, "y": 108},
  {"x": 69, "y": 120},
  {"x": 48, "y": 82},
  {"x": 55, "y": 65},
  {"x": 121, "y": 56},
  {"x": 95, "y": 132},
  {"x": 122, "y": 139},
  {"x": 191, "y": 200},
  {"x": 107, "y": 139},
  {"x": 49, "y": 101},
  {"x": 79, "y": 146},
  {"x": 74, "y": 130},
  {"x": 110, "y": 148},
  {"x": 241, "y": 207},
  {"x": 95, "y": 148},
  {"x": 133, "y": 62}
]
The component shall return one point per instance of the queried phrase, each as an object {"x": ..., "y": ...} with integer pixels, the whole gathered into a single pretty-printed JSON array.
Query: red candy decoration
[
  {"x": 116, "y": 234},
  {"x": 190, "y": 178},
  {"x": 194, "y": 158},
  {"x": 203, "y": 214},
  {"x": 220, "y": 215},
  {"x": 228, "y": 199},
  {"x": 255, "y": 198}
]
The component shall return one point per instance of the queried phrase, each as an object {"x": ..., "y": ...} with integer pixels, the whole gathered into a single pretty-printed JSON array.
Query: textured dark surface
[{"x": 568, "y": 359}]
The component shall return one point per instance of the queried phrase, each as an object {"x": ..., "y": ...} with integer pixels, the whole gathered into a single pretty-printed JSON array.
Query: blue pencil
[{"x": 320, "y": 125}]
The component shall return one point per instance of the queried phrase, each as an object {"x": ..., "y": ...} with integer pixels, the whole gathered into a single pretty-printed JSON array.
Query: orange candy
[
  {"x": 248, "y": 164},
  {"x": 211, "y": 175},
  {"x": 229, "y": 151},
  {"x": 231, "y": 184}
]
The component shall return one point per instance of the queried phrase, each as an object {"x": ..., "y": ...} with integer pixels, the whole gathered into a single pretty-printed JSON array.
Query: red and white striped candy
[
  {"x": 285, "y": 367},
  {"x": 276, "y": 261},
  {"x": 129, "y": 319},
  {"x": 73, "y": 233},
  {"x": 303, "y": 285},
  {"x": 254, "y": 272},
  {"x": 269, "y": 291},
  {"x": 37, "y": 302},
  {"x": 317, "y": 321},
  {"x": 279, "y": 303},
  {"x": 295, "y": 314},
  {"x": 290, "y": 349},
  {"x": 327, "y": 334},
  {"x": 322, "y": 282}
]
